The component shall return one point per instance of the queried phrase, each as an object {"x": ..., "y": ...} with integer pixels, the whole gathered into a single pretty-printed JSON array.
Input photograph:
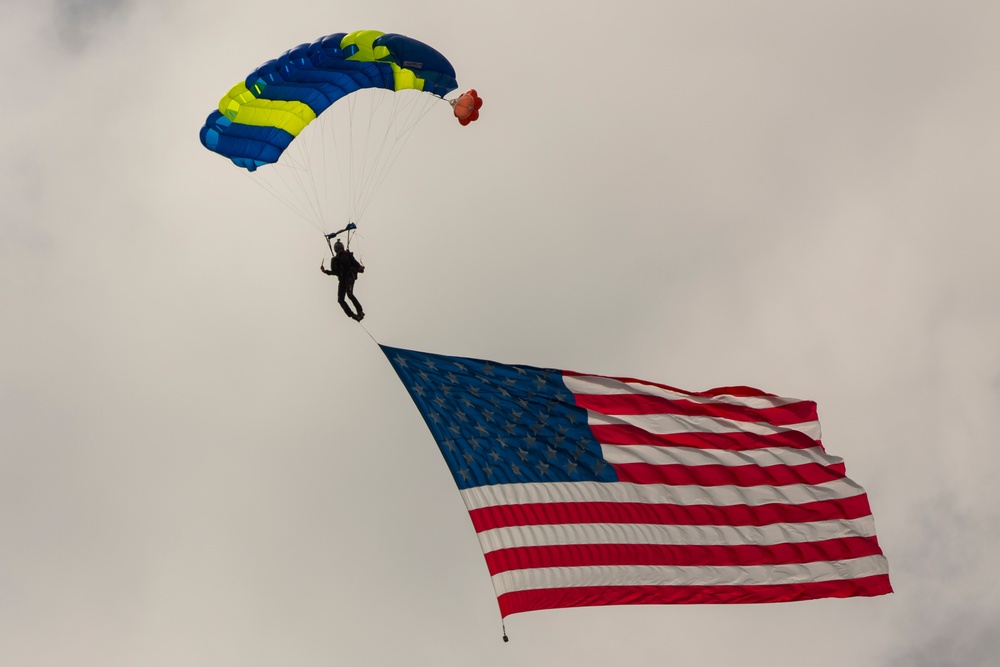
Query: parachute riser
[{"x": 329, "y": 237}]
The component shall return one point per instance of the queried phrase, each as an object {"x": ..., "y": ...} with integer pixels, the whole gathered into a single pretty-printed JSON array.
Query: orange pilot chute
[{"x": 466, "y": 106}]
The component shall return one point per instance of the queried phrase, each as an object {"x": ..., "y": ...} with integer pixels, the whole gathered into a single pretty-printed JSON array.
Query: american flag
[{"x": 592, "y": 490}]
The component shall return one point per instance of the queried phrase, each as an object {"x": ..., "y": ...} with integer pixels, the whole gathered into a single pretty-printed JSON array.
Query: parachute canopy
[{"x": 261, "y": 116}]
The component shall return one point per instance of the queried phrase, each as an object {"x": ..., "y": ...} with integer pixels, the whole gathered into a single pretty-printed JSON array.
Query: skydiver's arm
[{"x": 323, "y": 269}]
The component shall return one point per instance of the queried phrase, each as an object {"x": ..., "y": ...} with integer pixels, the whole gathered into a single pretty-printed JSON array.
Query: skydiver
[{"x": 346, "y": 268}]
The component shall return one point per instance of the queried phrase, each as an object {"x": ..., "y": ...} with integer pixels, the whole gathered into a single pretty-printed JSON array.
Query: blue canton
[{"x": 501, "y": 424}]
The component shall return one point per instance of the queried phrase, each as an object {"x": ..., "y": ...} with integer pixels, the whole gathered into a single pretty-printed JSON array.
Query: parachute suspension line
[
  {"x": 369, "y": 171},
  {"x": 404, "y": 115},
  {"x": 325, "y": 176},
  {"x": 287, "y": 173},
  {"x": 391, "y": 128},
  {"x": 301, "y": 178},
  {"x": 379, "y": 128},
  {"x": 345, "y": 158},
  {"x": 305, "y": 180},
  {"x": 369, "y": 168},
  {"x": 283, "y": 198},
  {"x": 383, "y": 159},
  {"x": 292, "y": 181},
  {"x": 336, "y": 146},
  {"x": 414, "y": 114},
  {"x": 321, "y": 175},
  {"x": 356, "y": 161}
]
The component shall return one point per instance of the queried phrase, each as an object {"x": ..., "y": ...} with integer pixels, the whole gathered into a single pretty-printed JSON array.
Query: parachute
[
  {"x": 275, "y": 118},
  {"x": 467, "y": 106}
]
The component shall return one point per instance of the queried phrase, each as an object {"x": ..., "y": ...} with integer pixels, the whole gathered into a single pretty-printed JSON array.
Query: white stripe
[
  {"x": 662, "y": 424},
  {"x": 625, "y": 492},
  {"x": 603, "y": 386},
  {"x": 563, "y": 534},
  {"x": 691, "y": 456},
  {"x": 701, "y": 575}
]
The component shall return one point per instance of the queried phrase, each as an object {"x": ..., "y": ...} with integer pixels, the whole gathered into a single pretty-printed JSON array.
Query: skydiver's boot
[{"x": 357, "y": 306}]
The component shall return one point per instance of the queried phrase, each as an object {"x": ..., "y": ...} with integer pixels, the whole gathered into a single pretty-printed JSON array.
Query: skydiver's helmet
[{"x": 338, "y": 247}]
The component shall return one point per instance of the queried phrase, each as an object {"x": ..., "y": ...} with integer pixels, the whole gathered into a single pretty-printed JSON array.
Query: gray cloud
[
  {"x": 945, "y": 574},
  {"x": 967, "y": 638},
  {"x": 205, "y": 463},
  {"x": 78, "y": 22}
]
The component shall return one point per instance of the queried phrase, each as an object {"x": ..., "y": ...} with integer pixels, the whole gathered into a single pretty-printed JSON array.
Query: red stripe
[
  {"x": 587, "y": 555},
  {"x": 627, "y": 434},
  {"x": 720, "y": 475},
  {"x": 512, "y": 603},
  {"x": 736, "y": 390},
  {"x": 540, "y": 514},
  {"x": 644, "y": 404}
]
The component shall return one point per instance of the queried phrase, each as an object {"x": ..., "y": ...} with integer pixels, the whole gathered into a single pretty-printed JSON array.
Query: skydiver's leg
[
  {"x": 354, "y": 300},
  {"x": 342, "y": 291},
  {"x": 361, "y": 311},
  {"x": 357, "y": 304}
]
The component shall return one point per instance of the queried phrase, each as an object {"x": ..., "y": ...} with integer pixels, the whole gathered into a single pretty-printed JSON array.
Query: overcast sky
[{"x": 204, "y": 463}]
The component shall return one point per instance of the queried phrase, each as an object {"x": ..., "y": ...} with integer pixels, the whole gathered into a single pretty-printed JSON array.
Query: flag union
[{"x": 502, "y": 424}]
